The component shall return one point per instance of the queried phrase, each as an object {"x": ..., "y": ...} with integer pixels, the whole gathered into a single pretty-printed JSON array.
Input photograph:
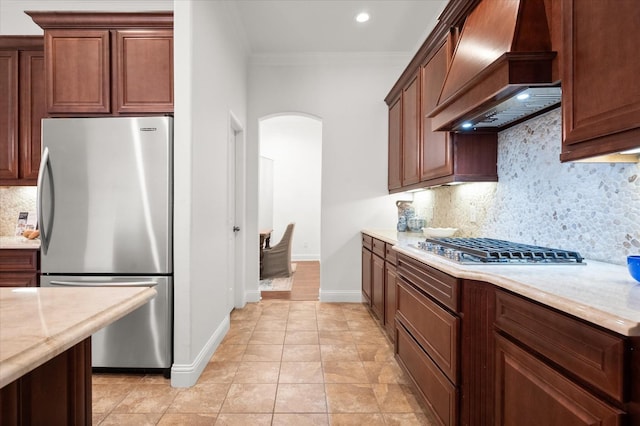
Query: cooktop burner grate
[{"x": 488, "y": 250}]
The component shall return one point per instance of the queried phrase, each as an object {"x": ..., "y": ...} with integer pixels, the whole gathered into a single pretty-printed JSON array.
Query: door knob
[{"x": 236, "y": 229}]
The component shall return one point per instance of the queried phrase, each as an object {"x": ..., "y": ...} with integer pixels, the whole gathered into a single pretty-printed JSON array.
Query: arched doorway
[{"x": 290, "y": 187}]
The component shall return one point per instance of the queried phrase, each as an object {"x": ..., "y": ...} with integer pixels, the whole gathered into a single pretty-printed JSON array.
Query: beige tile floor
[{"x": 282, "y": 363}]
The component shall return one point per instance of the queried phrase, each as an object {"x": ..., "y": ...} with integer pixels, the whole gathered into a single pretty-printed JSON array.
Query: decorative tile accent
[
  {"x": 15, "y": 199},
  {"x": 593, "y": 208}
]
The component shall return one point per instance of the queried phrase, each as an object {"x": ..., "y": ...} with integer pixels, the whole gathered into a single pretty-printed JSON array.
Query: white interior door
[{"x": 235, "y": 216}]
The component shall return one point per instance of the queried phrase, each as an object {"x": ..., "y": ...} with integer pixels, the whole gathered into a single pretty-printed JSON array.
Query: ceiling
[{"x": 304, "y": 26}]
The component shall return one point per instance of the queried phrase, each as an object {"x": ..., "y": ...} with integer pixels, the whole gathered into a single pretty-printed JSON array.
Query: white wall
[
  {"x": 265, "y": 195},
  {"x": 347, "y": 94},
  {"x": 210, "y": 83},
  {"x": 14, "y": 22},
  {"x": 294, "y": 142}
]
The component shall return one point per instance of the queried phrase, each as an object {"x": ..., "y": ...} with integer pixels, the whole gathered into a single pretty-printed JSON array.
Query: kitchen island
[{"x": 45, "y": 349}]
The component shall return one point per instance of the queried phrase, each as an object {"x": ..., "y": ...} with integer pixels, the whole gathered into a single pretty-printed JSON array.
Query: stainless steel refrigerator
[{"x": 105, "y": 217}]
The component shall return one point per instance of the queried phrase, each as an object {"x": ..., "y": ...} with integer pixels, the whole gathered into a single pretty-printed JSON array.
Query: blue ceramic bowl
[{"x": 633, "y": 263}]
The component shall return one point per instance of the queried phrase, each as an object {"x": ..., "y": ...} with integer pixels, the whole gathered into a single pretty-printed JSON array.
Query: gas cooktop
[{"x": 490, "y": 251}]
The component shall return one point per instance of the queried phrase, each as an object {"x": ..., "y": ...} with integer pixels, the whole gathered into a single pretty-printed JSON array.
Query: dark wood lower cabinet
[
  {"x": 390, "y": 299},
  {"x": 366, "y": 275},
  {"x": 19, "y": 267},
  {"x": 531, "y": 393},
  {"x": 477, "y": 350},
  {"x": 437, "y": 391},
  {"x": 435, "y": 329},
  {"x": 482, "y": 356},
  {"x": 56, "y": 393},
  {"x": 379, "y": 281},
  {"x": 377, "y": 286}
]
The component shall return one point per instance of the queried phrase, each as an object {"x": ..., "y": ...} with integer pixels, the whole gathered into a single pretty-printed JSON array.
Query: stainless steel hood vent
[
  {"x": 526, "y": 103},
  {"x": 504, "y": 50}
]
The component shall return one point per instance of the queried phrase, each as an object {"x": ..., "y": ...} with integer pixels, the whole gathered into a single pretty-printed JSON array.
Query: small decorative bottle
[
  {"x": 402, "y": 224},
  {"x": 403, "y": 208}
]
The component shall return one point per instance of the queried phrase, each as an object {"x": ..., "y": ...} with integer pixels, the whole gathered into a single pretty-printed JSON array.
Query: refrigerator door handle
[
  {"x": 45, "y": 166},
  {"x": 103, "y": 283}
]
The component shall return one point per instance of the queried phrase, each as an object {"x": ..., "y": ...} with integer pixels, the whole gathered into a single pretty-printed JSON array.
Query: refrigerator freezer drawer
[{"x": 140, "y": 340}]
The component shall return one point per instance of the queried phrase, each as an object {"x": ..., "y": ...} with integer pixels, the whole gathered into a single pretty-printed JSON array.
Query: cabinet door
[
  {"x": 8, "y": 114},
  {"x": 144, "y": 71},
  {"x": 377, "y": 286},
  {"x": 436, "y": 152},
  {"x": 57, "y": 392},
  {"x": 32, "y": 111},
  {"x": 395, "y": 145},
  {"x": 530, "y": 393},
  {"x": 411, "y": 132},
  {"x": 390, "y": 290},
  {"x": 600, "y": 68},
  {"x": 366, "y": 275},
  {"x": 77, "y": 71}
]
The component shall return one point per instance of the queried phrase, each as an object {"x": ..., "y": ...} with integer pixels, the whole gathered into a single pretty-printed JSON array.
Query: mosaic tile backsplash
[
  {"x": 13, "y": 200},
  {"x": 593, "y": 208}
]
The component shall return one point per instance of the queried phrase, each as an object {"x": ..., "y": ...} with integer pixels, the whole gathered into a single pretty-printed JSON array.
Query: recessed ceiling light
[
  {"x": 522, "y": 96},
  {"x": 362, "y": 17},
  {"x": 466, "y": 125}
]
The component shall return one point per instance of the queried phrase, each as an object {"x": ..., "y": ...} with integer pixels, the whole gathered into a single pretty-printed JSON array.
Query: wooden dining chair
[{"x": 277, "y": 259}]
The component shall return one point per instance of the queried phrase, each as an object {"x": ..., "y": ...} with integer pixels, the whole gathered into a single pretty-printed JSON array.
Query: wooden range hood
[{"x": 504, "y": 50}]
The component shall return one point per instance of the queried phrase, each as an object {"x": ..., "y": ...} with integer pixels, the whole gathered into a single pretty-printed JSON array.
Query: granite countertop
[
  {"x": 19, "y": 243},
  {"x": 601, "y": 293},
  {"x": 37, "y": 324}
]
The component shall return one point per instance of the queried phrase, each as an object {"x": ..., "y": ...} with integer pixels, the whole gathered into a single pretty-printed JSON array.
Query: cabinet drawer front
[
  {"x": 530, "y": 393},
  {"x": 439, "y": 393},
  {"x": 18, "y": 260},
  {"x": 391, "y": 254},
  {"x": 379, "y": 248},
  {"x": 367, "y": 241},
  {"x": 437, "y": 284},
  {"x": 591, "y": 354},
  {"x": 18, "y": 279},
  {"x": 435, "y": 329}
]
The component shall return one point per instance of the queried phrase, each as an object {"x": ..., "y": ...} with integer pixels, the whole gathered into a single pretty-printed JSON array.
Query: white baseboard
[
  {"x": 344, "y": 296},
  {"x": 186, "y": 375},
  {"x": 252, "y": 296}
]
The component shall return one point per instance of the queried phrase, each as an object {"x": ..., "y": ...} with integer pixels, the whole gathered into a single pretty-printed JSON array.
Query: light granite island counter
[{"x": 45, "y": 349}]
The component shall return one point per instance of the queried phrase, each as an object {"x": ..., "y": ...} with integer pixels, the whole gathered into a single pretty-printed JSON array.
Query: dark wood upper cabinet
[
  {"x": 108, "y": 63},
  {"x": 436, "y": 149},
  {"x": 22, "y": 107},
  {"x": 600, "y": 68},
  {"x": 78, "y": 78},
  {"x": 9, "y": 114},
  {"x": 429, "y": 158},
  {"x": 411, "y": 131},
  {"x": 395, "y": 145},
  {"x": 144, "y": 71}
]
